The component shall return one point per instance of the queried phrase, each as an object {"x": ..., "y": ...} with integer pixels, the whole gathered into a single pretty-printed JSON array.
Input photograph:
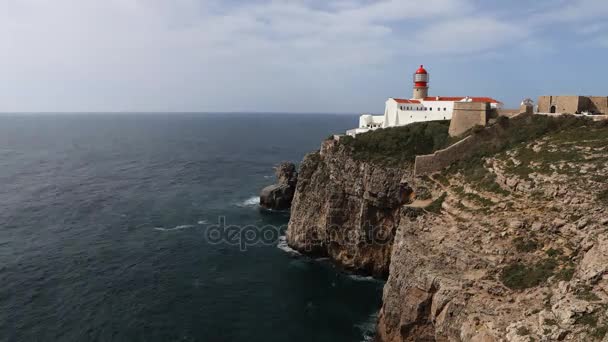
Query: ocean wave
[
  {"x": 163, "y": 229},
  {"x": 250, "y": 202},
  {"x": 362, "y": 278},
  {"x": 368, "y": 327},
  {"x": 282, "y": 245}
]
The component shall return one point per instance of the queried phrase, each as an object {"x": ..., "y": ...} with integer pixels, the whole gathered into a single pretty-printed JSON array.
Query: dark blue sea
[{"x": 104, "y": 222}]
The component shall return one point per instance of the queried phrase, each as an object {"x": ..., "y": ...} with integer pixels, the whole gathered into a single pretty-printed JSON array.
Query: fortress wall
[
  {"x": 544, "y": 103},
  {"x": 490, "y": 138},
  {"x": 573, "y": 104},
  {"x": 598, "y": 104},
  {"x": 507, "y": 112},
  {"x": 467, "y": 115}
]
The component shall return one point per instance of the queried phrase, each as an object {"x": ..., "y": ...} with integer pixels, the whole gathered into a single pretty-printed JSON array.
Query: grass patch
[
  {"x": 589, "y": 319},
  {"x": 603, "y": 197},
  {"x": 550, "y": 321},
  {"x": 551, "y": 252},
  {"x": 525, "y": 245},
  {"x": 435, "y": 206},
  {"x": 565, "y": 274},
  {"x": 423, "y": 193},
  {"x": 399, "y": 145},
  {"x": 523, "y": 331},
  {"x": 599, "y": 332},
  {"x": 519, "y": 276},
  {"x": 585, "y": 293}
]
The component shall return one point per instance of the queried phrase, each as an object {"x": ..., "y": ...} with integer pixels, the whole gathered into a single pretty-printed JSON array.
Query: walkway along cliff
[{"x": 508, "y": 243}]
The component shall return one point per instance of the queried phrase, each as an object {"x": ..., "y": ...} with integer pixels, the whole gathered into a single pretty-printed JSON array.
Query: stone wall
[
  {"x": 573, "y": 104},
  {"x": 467, "y": 115},
  {"x": 489, "y": 138},
  {"x": 598, "y": 104}
]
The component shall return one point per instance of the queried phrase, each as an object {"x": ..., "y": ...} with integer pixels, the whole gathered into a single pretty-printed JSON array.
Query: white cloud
[{"x": 194, "y": 54}]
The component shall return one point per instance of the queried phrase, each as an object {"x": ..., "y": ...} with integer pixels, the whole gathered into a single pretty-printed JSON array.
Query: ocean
[{"x": 109, "y": 232}]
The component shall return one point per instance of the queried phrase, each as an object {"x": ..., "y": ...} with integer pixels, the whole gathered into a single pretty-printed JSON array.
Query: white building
[{"x": 401, "y": 112}]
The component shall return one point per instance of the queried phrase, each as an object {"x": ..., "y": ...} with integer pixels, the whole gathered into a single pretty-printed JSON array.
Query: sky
[{"x": 341, "y": 56}]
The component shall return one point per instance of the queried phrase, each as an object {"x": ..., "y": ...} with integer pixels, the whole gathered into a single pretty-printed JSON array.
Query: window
[
  {"x": 431, "y": 109},
  {"x": 445, "y": 109}
]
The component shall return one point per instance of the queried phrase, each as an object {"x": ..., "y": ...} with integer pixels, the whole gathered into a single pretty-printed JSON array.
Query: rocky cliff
[
  {"x": 513, "y": 246},
  {"x": 346, "y": 209}
]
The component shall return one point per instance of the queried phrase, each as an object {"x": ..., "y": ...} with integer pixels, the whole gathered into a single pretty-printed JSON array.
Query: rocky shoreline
[{"x": 511, "y": 247}]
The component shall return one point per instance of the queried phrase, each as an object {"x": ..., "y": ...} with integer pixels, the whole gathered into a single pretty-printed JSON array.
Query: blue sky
[{"x": 344, "y": 56}]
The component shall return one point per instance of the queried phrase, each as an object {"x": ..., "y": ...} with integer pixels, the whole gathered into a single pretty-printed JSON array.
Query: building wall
[
  {"x": 468, "y": 115},
  {"x": 598, "y": 104},
  {"x": 399, "y": 114},
  {"x": 573, "y": 104}
]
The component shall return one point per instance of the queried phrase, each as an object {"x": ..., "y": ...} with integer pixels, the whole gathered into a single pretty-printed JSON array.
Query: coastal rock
[
  {"x": 279, "y": 196},
  {"x": 502, "y": 249},
  {"x": 347, "y": 210}
]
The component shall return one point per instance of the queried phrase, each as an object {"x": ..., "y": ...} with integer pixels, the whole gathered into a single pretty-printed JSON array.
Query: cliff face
[
  {"x": 513, "y": 248},
  {"x": 519, "y": 251},
  {"x": 346, "y": 209}
]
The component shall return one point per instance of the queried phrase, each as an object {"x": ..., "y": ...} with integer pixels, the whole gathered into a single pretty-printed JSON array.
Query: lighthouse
[
  {"x": 421, "y": 84},
  {"x": 421, "y": 108}
]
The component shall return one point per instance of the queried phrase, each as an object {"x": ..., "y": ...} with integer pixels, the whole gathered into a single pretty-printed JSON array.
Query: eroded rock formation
[
  {"x": 513, "y": 247},
  {"x": 346, "y": 209},
  {"x": 279, "y": 196}
]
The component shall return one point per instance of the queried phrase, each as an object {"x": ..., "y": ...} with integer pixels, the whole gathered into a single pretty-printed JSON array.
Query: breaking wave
[
  {"x": 250, "y": 202},
  {"x": 163, "y": 229},
  {"x": 368, "y": 327},
  {"x": 282, "y": 245}
]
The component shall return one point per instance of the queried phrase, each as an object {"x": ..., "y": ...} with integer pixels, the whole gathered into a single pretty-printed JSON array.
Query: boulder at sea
[{"x": 280, "y": 195}]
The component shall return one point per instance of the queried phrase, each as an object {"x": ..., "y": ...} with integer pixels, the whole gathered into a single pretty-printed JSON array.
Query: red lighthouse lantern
[
  {"x": 421, "y": 83},
  {"x": 421, "y": 77}
]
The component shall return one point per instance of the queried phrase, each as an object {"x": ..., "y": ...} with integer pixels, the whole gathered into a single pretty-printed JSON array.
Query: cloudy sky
[{"x": 292, "y": 55}]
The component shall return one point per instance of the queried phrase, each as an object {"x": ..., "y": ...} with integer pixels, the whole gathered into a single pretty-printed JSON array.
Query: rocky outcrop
[
  {"x": 279, "y": 196},
  {"x": 517, "y": 253},
  {"x": 347, "y": 210},
  {"x": 512, "y": 248}
]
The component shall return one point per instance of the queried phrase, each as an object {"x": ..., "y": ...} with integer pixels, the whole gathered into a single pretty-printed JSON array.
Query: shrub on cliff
[{"x": 400, "y": 145}]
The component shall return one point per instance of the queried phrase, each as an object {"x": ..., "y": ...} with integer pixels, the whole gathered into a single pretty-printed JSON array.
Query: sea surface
[{"x": 109, "y": 232}]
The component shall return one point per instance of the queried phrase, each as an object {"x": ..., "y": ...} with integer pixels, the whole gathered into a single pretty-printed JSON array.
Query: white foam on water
[
  {"x": 368, "y": 327},
  {"x": 202, "y": 222},
  {"x": 282, "y": 245},
  {"x": 361, "y": 278},
  {"x": 250, "y": 202},
  {"x": 163, "y": 229}
]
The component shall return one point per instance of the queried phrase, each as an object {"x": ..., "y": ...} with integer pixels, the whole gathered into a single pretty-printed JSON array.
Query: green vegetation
[
  {"x": 518, "y": 276},
  {"x": 565, "y": 273},
  {"x": 423, "y": 193},
  {"x": 599, "y": 332},
  {"x": 585, "y": 293},
  {"x": 551, "y": 252},
  {"x": 523, "y": 331},
  {"x": 516, "y": 132},
  {"x": 399, "y": 145},
  {"x": 550, "y": 321},
  {"x": 603, "y": 197},
  {"x": 525, "y": 245},
  {"x": 589, "y": 319},
  {"x": 435, "y": 207}
]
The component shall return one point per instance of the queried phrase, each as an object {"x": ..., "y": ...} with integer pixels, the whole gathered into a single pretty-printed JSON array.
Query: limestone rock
[{"x": 279, "y": 196}]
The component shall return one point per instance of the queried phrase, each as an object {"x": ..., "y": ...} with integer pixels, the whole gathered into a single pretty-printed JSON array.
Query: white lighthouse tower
[{"x": 421, "y": 84}]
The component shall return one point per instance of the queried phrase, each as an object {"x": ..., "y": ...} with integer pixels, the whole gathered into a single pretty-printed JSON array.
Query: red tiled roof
[
  {"x": 406, "y": 101},
  {"x": 459, "y": 98}
]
